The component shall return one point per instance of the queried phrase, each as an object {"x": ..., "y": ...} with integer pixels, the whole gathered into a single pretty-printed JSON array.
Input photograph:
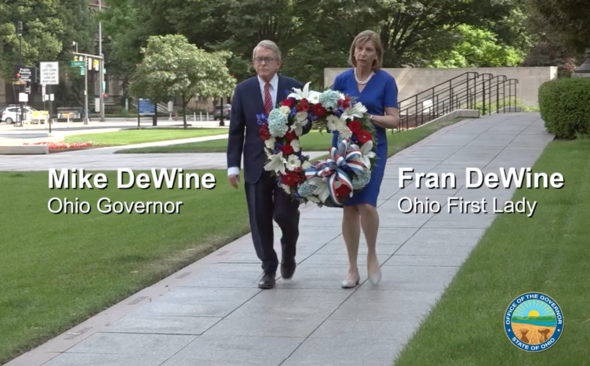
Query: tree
[
  {"x": 48, "y": 26},
  {"x": 571, "y": 18},
  {"x": 173, "y": 67},
  {"x": 478, "y": 48}
]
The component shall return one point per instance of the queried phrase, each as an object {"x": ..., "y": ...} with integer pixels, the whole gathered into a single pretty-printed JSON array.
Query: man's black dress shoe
[
  {"x": 267, "y": 282},
  {"x": 287, "y": 269}
]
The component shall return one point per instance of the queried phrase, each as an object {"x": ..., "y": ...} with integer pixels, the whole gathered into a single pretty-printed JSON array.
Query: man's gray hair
[{"x": 268, "y": 45}]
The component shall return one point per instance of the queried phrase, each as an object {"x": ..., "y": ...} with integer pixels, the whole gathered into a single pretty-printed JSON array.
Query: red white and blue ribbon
[{"x": 333, "y": 168}]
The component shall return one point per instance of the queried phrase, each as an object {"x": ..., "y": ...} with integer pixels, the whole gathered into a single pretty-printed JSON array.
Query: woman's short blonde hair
[{"x": 363, "y": 37}]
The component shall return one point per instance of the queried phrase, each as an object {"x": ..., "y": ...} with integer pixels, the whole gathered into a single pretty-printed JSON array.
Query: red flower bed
[{"x": 61, "y": 145}]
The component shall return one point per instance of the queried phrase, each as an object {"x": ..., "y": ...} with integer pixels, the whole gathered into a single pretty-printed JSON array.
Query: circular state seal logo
[{"x": 533, "y": 322}]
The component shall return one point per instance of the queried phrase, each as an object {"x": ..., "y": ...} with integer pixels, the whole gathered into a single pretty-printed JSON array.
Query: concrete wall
[{"x": 412, "y": 81}]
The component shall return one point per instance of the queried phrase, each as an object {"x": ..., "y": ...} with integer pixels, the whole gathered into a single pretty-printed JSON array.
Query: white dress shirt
[{"x": 274, "y": 86}]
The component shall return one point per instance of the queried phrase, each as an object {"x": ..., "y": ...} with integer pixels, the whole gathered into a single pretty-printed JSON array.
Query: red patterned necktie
[{"x": 267, "y": 99}]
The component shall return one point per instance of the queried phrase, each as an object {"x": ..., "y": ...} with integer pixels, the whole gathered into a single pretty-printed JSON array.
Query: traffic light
[
  {"x": 96, "y": 65},
  {"x": 17, "y": 75},
  {"x": 75, "y": 58},
  {"x": 104, "y": 95}
]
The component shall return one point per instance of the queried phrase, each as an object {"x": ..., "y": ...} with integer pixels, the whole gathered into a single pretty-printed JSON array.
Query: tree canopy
[{"x": 173, "y": 67}]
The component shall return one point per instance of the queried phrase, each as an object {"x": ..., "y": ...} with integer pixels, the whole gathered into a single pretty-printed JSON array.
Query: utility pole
[
  {"x": 20, "y": 58},
  {"x": 101, "y": 67},
  {"x": 87, "y": 59}
]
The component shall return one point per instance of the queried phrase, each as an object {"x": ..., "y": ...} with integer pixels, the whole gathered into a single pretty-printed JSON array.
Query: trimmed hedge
[{"x": 564, "y": 105}]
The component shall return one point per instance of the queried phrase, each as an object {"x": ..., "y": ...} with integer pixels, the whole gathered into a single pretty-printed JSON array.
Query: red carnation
[
  {"x": 264, "y": 133},
  {"x": 287, "y": 149},
  {"x": 289, "y": 102},
  {"x": 342, "y": 191},
  {"x": 318, "y": 110},
  {"x": 303, "y": 105},
  {"x": 355, "y": 126},
  {"x": 364, "y": 136},
  {"x": 291, "y": 179},
  {"x": 290, "y": 136},
  {"x": 344, "y": 103}
]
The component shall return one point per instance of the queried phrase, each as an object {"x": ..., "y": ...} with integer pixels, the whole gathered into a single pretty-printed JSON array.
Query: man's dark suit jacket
[{"x": 247, "y": 102}]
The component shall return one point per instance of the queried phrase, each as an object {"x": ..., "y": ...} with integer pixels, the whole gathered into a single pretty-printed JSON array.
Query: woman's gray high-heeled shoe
[{"x": 350, "y": 283}]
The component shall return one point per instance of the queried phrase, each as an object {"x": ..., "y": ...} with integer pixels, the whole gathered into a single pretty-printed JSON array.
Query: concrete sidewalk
[{"x": 212, "y": 313}]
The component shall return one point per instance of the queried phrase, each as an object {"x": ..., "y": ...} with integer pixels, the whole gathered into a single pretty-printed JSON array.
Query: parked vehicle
[
  {"x": 12, "y": 113},
  {"x": 226, "y": 112}
]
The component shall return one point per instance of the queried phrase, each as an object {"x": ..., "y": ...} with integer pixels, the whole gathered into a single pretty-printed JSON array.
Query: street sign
[
  {"x": 49, "y": 73},
  {"x": 145, "y": 107},
  {"x": 27, "y": 74},
  {"x": 77, "y": 63}
]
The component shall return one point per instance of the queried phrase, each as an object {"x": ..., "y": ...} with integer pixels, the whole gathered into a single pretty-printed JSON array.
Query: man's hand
[{"x": 234, "y": 180}]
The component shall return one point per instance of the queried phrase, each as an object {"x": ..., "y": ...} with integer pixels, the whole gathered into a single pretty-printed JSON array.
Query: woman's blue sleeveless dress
[{"x": 380, "y": 92}]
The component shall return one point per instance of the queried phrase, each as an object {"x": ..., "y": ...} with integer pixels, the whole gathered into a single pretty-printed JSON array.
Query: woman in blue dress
[{"x": 377, "y": 91}]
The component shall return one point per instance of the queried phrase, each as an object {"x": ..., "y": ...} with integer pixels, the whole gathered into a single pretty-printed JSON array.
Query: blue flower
[
  {"x": 360, "y": 181},
  {"x": 261, "y": 119},
  {"x": 306, "y": 189},
  {"x": 277, "y": 123},
  {"x": 329, "y": 99}
]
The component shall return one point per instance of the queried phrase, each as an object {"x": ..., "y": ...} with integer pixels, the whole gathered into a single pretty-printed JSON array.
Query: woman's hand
[{"x": 389, "y": 120}]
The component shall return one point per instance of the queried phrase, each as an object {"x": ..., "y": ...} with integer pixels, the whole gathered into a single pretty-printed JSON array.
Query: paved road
[
  {"x": 10, "y": 134},
  {"x": 212, "y": 313}
]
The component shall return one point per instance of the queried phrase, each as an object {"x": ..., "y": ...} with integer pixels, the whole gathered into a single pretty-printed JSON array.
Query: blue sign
[{"x": 145, "y": 107}]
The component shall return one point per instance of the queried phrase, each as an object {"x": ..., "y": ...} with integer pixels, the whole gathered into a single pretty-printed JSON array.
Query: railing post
[
  {"x": 483, "y": 88},
  {"x": 497, "y": 96},
  {"x": 468, "y": 95},
  {"x": 504, "y": 94}
]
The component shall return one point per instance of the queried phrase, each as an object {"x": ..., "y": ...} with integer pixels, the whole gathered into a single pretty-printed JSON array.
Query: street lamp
[{"x": 585, "y": 67}]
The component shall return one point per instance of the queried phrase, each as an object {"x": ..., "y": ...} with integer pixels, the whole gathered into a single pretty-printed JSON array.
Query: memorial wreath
[{"x": 350, "y": 163}]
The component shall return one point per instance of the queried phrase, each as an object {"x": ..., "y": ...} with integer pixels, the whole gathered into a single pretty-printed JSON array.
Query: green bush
[{"x": 565, "y": 106}]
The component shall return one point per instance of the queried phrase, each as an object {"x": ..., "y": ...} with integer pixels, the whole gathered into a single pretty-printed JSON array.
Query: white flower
[
  {"x": 306, "y": 164},
  {"x": 367, "y": 154},
  {"x": 345, "y": 132},
  {"x": 285, "y": 110},
  {"x": 276, "y": 163},
  {"x": 270, "y": 143},
  {"x": 293, "y": 162},
  {"x": 301, "y": 116},
  {"x": 286, "y": 188},
  {"x": 321, "y": 188},
  {"x": 314, "y": 97},
  {"x": 299, "y": 94},
  {"x": 313, "y": 199},
  {"x": 295, "y": 145},
  {"x": 356, "y": 110},
  {"x": 300, "y": 121},
  {"x": 332, "y": 122}
]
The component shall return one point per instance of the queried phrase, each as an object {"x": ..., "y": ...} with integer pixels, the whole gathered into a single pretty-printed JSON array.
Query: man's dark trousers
[{"x": 268, "y": 201}]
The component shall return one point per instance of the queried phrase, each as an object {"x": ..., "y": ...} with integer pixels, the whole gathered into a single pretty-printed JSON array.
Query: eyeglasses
[{"x": 266, "y": 60}]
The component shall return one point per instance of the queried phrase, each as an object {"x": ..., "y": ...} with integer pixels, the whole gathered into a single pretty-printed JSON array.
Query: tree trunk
[
  {"x": 184, "y": 104},
  {"x": 221, "y": 122}
]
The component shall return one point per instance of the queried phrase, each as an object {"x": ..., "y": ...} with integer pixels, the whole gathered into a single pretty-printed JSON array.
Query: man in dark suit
[{"x": 266, "y": 200}]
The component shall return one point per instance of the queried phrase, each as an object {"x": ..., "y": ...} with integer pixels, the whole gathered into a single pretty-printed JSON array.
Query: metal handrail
[{"x": 467, "y": 90}]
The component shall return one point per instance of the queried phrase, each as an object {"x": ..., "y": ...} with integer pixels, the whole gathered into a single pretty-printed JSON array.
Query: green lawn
[
  {"x": 56, "y": 270},
  {"x": 313, "y": 141},
  {"x": 127, "y": 137},
  {"x": 548, "y": 253}
]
